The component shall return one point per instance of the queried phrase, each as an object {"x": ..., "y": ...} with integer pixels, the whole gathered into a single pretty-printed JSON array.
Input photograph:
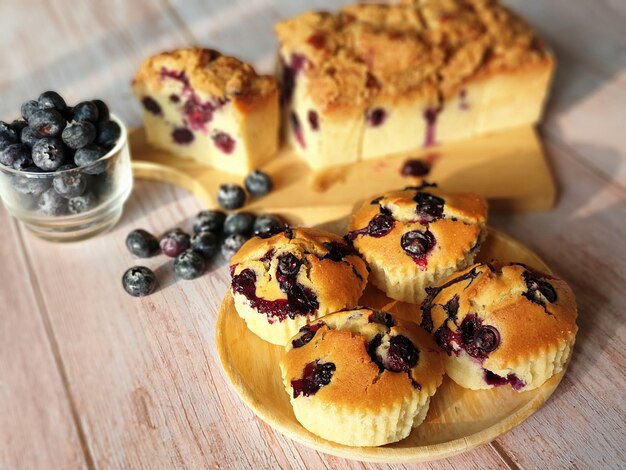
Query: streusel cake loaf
[
  {"x": 376, "y": 80},
  {"x": 214, "y": 108}
]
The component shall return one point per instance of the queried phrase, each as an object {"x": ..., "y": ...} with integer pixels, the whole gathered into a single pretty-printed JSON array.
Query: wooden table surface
[{"x": 90, "y": 377}]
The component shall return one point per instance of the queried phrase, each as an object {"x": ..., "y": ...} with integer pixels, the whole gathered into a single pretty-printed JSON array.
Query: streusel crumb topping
[{"x": 420, "y": 47}]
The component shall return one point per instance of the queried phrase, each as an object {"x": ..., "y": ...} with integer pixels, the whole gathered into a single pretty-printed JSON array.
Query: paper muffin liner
[
  {"x": 534, "y": 371},
  {"x": 278, "y": 332},
  {"x": 360, "y": 427}
]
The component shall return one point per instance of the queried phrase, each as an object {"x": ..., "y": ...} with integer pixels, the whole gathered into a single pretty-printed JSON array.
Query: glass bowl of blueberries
[{"x": 65, "y": 171}]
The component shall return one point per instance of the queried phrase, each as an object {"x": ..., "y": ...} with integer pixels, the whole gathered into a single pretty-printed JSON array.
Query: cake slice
[
  {"x": 208, "y": 106},
  {"x": 377, "y": 79}
]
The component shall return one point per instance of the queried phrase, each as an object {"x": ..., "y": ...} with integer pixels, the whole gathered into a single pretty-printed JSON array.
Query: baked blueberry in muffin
[
  {"x": 282, "y": 281},
  {"x": 415, "y": 237},
  {"x": 502, "y": 324},
  {"x": 361, "y": 377}
]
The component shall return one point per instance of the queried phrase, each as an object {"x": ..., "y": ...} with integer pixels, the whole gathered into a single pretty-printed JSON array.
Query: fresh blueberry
[
  {"x": 85, "y": 111},
  {"x": 29, "y": 137},
  {"x": 108, "y": 133},
  {"x": 78, "y": 134},
  {"x": 69, "y": 183},
  {"x": 240, "y": 222},
  {"x": 29, "y": 184},
  {"x": 16, "y": 156},
  {"x": 267, "y": 224},
  {"x": 8, "y": 136},
  {"x": 258, "y": 183},
  {"x": 142, "y": 244},
  {"x": 139, "y": 281},
  {"x": 189, "y": 265},
  {"x": 47, "y": 123},
  {"x": 49, "y": 153},
  {"x": 83, "y": 203},
  {"x": 88, "y": 155},
  {"x": 29, "y": 108},
  {"x": 209, "y": 221},
  {"x": 232, "y": 244},
  {"x": 51, "y": 100},
  {"x": 174, "y": 242},
  {"x": 103, "y": 110},
  {"x": 231, "y": 196},
  {"x": 205, "y": 243},
  {"x": 18, "y": 126},
  {"x": 52, "y": 203}
]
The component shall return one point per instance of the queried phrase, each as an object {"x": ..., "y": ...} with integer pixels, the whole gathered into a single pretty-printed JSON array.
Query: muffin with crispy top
[
  {"x": 283, "y": 281},
  {"x": 502, "y": 324},
  {"x": 415, "y": 237},
  {"x": 361, "y": 377},
  {"x": 208, "y": 106}
]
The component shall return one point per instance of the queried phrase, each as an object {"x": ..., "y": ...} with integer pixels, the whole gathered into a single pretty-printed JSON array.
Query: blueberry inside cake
[
  {"x": 415, "y": 237},
  {"x": 214, "y": 108},
  {"x": 375, "y": 80},
  {"x": 282, "y": 281},
  {"x": 502, "y": 324},
  {"x": 361, "y": 377}
]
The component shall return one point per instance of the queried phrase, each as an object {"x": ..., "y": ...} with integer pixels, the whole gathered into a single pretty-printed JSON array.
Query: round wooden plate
[{"x": 458, "y": 419}]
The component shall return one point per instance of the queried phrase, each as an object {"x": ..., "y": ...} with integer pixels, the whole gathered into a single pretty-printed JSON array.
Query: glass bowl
[{"x": 31, "y": 198}]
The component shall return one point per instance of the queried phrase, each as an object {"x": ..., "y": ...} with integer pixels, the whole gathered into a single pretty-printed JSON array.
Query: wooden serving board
[
  {"x": 458, "y": 419},
  {"x": 507, "y": 168}
]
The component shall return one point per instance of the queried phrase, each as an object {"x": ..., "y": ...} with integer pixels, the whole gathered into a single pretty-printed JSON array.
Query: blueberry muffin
[
  {"x": 415, "y": 237},
  {"x": 502, "y": 324},
  {"x": 361, "y": 377},
  {"x": 283, "y": 281}
]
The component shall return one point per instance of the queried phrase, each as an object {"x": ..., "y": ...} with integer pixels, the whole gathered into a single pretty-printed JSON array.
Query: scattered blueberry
[
  {"x": 29, "y": 184},
  {"x": 142, "y": 243},
  {"x": 29, "y": 108},
  {"x": 139, "y": 281},
  {"x": 240, "y": 223},
  {"x": 232, "y": 244},
  {"x": 51, "y": 100},
  {"x": 205, "y": 243},
  {"x": 16, "y": 156},
  {"x": 52, "y": 203},
  {"x": 258, "y": 183},
  {"x": 108, "y": 133},
  {"x": 267, "y": 224},
  {"x": 174, "y": 242},
  {"x": 49, "y": 153},
  {"x": 231, "y": 196},
  {"x": 79, "y": 134},
  {"x": 47, "y": 122},
  {"x": 85, "y": 111},
  {"x": 103, "y": 110},
  {"x": 29, "y": 137},
  {"x": 69, "y": 183},
  {"x": 83, "y": 203},
  {"x": 189, "y": 265},
  {"x": 88, "y": 155},
  {"x": 209, "y": 221}
]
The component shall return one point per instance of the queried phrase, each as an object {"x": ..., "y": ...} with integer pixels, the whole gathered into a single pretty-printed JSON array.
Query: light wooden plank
[
  {"x": 36, "y": 425},
  {"x": 582, "y": 426}
]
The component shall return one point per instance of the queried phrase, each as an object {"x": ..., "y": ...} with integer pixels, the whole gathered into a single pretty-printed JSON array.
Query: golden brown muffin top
[
  {"x": 415, "y": 48},
  {"x": 365, "y": 358},
  {"x": 418, "y": 229},
  {"x": 502, "y": 314},
  {"x": 305, "y": 269},
  {"x": 207, "y": 71}
]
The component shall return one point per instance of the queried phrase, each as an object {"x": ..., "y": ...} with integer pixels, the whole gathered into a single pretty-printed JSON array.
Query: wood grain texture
[{"x": 37, "y": 429}]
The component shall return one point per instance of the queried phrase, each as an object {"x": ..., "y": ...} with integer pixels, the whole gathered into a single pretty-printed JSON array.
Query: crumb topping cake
[
  {"x": 214, "y": 108},
  {"x": 375, "y": 80},
  {"x": 502, "y": 324}
]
